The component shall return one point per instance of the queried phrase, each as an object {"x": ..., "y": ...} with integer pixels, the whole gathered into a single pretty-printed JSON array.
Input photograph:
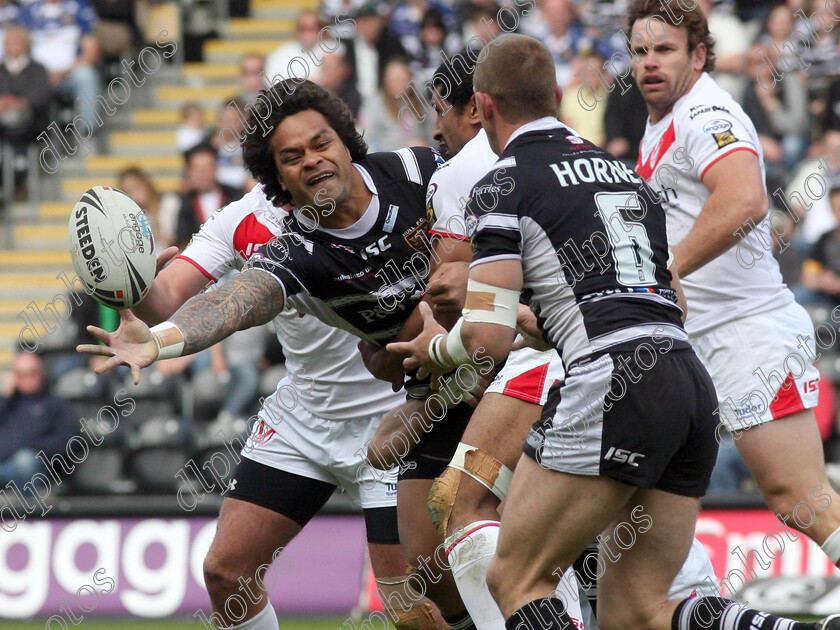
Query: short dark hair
[
  {"x": 293, "y": 98},
  {"x": 518, "y": 72},
  {"x": 454, "y": 77},
  {"x": 693, "y": 20},
  {"x": 202, "y": 147}
]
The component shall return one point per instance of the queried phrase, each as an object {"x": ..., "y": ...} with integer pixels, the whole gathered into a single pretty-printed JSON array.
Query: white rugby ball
[{"x": 112, "y": 247}]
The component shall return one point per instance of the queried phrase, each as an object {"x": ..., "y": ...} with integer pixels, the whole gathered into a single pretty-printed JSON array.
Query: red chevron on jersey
[
  {"x": 646, "y": 168},
  {"x": 249, "y": 235}
]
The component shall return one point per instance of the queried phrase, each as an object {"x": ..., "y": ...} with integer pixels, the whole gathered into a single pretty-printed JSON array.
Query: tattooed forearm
[{"x": 250, "y": 299}]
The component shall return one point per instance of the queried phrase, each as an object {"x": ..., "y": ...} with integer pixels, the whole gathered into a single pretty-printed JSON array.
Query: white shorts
[
  {"x": 762, "y": 366},
  {"x": 528, "y": 374},
  {"x": 332, "y": 451},
  {"x": 697, "y": 577}
]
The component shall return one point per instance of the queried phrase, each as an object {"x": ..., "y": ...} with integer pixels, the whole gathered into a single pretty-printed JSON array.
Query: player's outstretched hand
[
  {"x": 131, "y": 344},
  {"x": 418, "y": 348},
  {"x": 164, "y": 257}
]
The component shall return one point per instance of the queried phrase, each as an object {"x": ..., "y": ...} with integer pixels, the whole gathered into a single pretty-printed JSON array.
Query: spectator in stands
[
  {"x": 280, "y": 64},
  {"x": 162, "y": 209},
  {"x": 816, "y": 216},
  {"x": 203, "y": 193},
  {"x": 226, "y": 137},
  {"x": 779, "y": 30},
  {"x": 191, "y": 130},
  {"x": 625, "y": 117},
  {"x": 396, "y": 117},
  {"x": 373, "y": 46},
  {"x": 831, "y": 109},
  {"x": 31, "y": 420},
  {"x": 9, "y": 16},
  {"x": 821, "y": 272},
  {"x": 822, "y": 47},
  {"x": 25, "y": 93},
  {"x": 407, "y": 20},
  {"x": 555, "y": 23},
  {"x": 63, "y": 41},
  {"x": 732, "y": 43},
  {"x": 336, "y": 75},
  {"x": 116, "y": 30},
  {"x": 434, "y": 41},
  {"x": 251, "y": 76},
  {"x": 779, "y": 111},
  {"x": 589, "y": 123},
  {"x": 473, "y": 26}
]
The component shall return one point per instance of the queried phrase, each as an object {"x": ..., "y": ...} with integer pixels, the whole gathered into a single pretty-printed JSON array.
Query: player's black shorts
[
  {"x": 638, "y": 416},
  {"x": 300, "y": 498},
  {"x": 435, "y": 449}
]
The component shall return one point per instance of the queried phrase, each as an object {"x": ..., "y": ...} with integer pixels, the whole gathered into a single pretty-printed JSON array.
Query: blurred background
[{"x": 148, "y": 96}]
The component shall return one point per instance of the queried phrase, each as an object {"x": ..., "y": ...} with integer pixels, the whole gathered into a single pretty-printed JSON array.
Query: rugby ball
[{"x": 112, "y": 247}]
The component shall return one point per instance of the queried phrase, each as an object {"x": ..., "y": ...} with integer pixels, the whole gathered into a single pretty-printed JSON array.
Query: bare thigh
[
  {"x": 247, "y": 537},
  {"x": 633, "y": 592},
  {"x": 786, "y": 458},
  {"x": 549, "y": 519}
]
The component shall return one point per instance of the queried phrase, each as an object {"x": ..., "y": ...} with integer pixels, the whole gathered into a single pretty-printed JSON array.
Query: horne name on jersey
[{"x": 590, "y": 237}]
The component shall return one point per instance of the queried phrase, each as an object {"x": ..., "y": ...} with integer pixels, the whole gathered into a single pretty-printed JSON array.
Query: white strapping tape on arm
[
  {"x": 489, "y": 304},
  {"x": 500, "y": 487},
  {"x": 169, "y": 340}
]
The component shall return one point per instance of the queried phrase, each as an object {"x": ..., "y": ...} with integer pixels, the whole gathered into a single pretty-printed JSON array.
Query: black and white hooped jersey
[
  {"x": 590, "y": 236},
  {"x": 365, "y": 278}
]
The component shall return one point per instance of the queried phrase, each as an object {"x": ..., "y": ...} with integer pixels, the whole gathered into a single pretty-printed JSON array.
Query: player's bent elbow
[{"x": 492, "y": 341}]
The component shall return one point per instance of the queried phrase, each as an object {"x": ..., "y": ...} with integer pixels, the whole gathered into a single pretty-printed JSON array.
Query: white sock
[
  {"x": 470, "y": 551},
  {"x": 266, "y": 619},
  {"x": 831, "y": 546}
]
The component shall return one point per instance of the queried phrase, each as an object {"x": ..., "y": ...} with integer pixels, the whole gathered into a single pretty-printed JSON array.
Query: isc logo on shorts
[{"x": 622, "y": 455}]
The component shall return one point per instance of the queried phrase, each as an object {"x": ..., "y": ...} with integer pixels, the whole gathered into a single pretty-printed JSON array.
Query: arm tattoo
[{"x": 250, "y": 299}]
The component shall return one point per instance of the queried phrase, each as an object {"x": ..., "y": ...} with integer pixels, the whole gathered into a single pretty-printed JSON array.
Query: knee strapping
[
  {"x": 478, "y": 464},
  {"x": 408, "y": 609}
]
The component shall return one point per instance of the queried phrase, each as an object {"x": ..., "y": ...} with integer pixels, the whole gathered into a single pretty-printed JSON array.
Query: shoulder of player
[
  {"x": 412, "y": 164},
  {"x": 710, "y": 103}
]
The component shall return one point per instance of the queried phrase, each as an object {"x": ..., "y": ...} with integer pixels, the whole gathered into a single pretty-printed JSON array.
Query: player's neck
[{"x": 350, "y": 211}]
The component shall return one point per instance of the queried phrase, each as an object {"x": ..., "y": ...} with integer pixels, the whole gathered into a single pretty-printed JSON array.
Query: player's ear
[
  {"x": 472, "y": 112},
  {"x": 280, "y": 181},
  {"x": 699, "y": 56},
  {"x": 559, "y": 96}
]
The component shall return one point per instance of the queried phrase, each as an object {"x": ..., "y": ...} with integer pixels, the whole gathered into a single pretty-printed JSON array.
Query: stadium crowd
[{"x": 779, "y": 60}]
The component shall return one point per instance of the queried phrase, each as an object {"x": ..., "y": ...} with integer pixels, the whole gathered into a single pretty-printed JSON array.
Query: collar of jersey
[
  {"x": 541, "y": 124},
  {"x": 360, "y": 227}
]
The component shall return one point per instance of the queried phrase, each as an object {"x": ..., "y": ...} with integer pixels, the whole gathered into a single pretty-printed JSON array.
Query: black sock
[
  {"x": 461, "y": 621},
  {"x": 541, "y": 614},
  {"x": 717, "y": 613}
]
